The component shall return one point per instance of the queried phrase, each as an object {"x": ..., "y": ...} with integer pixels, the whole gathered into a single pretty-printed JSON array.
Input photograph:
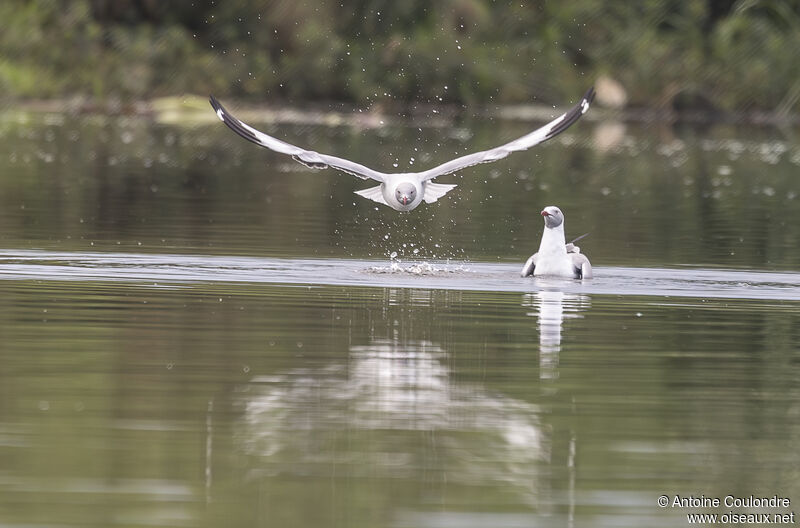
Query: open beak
[{"x": 545, "y": 213}]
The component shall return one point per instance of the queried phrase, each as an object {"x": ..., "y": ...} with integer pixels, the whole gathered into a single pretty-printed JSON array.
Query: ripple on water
[{"x": 167, "y": 270}]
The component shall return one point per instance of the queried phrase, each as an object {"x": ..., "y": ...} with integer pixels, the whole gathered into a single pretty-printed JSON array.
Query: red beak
[
  {"x": 545, "y": 213},
  {"x": 405, "y": 200}
]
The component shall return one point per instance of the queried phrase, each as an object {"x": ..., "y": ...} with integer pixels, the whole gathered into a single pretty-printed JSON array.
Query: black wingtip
[
  {"x": 589, "y": 95},
  {"x": 232, "y": 123},
  {"x": 574, "y": 113},
  {"x": 217, "y": 106}
]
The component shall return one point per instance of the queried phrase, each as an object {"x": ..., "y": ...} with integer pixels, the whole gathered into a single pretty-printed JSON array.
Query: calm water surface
[{"x": 193, "y": 333}]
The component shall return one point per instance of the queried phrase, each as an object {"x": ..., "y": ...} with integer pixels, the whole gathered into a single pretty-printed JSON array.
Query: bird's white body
[
  {"x": 387, "y": 192},
  {"x": 555, "y": 257},
  {"x": 405, "y": 191}
]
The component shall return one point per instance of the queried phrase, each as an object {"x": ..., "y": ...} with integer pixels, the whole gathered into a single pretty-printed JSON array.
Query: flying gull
[
  {"x": 405, "y": 191},
  {"x": 555, "y": 257}
]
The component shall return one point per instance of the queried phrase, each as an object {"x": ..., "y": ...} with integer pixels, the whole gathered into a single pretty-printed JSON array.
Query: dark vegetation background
[{"x": 733, "y": 56}]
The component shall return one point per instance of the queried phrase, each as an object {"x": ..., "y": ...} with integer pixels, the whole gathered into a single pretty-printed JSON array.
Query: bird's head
[
  {"x": 405, "y": 193},
  {"x": 553, "y": 217}
]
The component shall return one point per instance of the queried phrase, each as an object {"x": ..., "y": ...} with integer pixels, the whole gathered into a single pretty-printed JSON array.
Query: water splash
[{"x": 420, "y": 268}]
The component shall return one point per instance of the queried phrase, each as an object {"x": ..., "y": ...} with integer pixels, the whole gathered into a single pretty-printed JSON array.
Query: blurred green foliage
[{"x": 724, "y": 54}]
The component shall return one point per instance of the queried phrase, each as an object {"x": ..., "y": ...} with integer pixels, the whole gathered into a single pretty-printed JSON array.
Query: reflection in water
[
  {"x": 345, "y": 406},
  {"x": 552, "y": 307},
  {"x": 385, "y": 399}
]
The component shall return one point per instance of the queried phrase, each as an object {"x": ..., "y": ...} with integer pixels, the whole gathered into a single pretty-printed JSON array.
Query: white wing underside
[
  {"x": 374, "y": 194},
  {"x": 434, "y": 191},
  {"x": 317, "y": 160}
]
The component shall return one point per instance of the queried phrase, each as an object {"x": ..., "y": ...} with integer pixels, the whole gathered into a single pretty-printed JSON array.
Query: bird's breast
[{"x": 554, "y": 265}]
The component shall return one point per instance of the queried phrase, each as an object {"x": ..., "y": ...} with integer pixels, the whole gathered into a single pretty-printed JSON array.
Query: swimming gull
[
  {"x": 405, "y": 191},
  {"x": 555, "y": 257}
]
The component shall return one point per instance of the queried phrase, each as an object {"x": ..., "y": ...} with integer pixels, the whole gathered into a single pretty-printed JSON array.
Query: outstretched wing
[
  {"x": 551, "y": 129},
  {"x": 309, "y": 158},
  {"x": 317, "y": 160}
]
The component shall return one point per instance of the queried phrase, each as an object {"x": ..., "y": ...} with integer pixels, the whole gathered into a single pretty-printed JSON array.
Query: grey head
[
  {"x": 405, "y": 193},
  {"x": 553, "y": 217}
]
